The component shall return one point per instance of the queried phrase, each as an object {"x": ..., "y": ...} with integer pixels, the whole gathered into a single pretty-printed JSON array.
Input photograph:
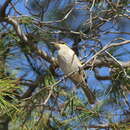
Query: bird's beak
[{"x": 54, "y": 44}]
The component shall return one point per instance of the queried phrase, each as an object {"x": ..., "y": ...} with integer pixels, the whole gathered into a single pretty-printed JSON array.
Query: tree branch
[
  {"x": 4, "y": 7},
  {"x": 24, "y": 38}
]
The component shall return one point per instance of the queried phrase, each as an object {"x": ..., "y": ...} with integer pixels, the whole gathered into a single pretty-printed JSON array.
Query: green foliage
[
  {"x": 28, "y": 77},
  {"x": 8, "y": 102}
]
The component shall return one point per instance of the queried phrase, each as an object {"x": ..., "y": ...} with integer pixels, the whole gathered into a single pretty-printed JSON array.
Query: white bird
[{"x": 69, "y": 62}]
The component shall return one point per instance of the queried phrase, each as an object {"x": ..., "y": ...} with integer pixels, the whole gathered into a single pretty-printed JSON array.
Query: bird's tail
[{"x": 88, "y": 93}]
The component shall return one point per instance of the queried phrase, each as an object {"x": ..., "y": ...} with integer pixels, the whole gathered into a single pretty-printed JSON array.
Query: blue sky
[{"x": 93, "y": 83}]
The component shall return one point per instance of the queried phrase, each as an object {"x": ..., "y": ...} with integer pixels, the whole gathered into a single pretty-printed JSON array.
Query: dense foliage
[{"x": 34, "y": 92}]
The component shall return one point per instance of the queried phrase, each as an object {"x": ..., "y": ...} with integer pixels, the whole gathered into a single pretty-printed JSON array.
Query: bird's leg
[{"x": 79, "y": 70}]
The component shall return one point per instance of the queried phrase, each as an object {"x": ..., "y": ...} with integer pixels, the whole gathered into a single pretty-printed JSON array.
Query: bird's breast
[{"x": 68, "y": 61}]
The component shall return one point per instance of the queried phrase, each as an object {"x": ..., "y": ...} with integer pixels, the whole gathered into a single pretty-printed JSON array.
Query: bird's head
[{"x": 58, "y": 44}]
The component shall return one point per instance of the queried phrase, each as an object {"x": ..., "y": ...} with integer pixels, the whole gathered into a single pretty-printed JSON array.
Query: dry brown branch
[
  {"x": 4, "y": 7},
  {"x": 107, "y": 47},
  {"x": 24, "y": 38}
]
